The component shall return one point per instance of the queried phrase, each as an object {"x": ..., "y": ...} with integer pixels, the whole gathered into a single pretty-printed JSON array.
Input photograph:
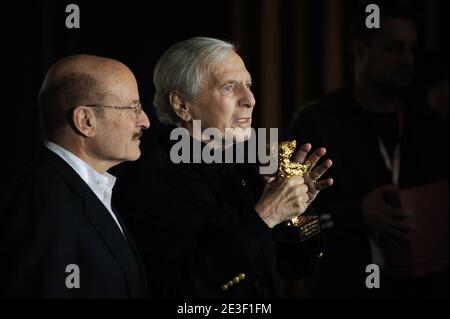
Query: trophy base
[{"x": 302, "y": 228}]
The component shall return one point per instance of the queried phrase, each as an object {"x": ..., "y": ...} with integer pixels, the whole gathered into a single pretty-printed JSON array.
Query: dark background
[{"x": 294, "y": 49}]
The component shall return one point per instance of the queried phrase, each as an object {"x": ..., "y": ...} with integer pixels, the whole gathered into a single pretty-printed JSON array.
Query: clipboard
[{"x": 426, "y": 252}]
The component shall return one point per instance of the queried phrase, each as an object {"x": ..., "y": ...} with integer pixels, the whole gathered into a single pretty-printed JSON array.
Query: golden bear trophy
[{"x": 306, "y": 226}]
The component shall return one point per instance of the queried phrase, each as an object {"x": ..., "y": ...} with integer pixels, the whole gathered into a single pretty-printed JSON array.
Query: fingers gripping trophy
[{"x": 302, "y": 226}]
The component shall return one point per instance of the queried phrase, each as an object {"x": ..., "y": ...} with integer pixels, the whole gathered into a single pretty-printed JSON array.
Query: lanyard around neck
[{"x": 393, "y": 165}]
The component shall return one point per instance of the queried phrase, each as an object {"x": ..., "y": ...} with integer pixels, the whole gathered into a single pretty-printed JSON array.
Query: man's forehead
[
  {"x": 400, "y": 29},
  {"x": 123, "y": 90},
  {"x": 230, "y": 73}
]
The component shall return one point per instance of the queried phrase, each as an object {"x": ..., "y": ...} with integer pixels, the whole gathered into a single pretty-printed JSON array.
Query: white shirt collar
[
  {"x": 100, "y": 184},
  {"x": 103, "y": 182}
]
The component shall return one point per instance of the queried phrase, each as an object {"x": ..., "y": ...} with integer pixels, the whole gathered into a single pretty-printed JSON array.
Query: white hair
[{"x": 182, "y": 68}]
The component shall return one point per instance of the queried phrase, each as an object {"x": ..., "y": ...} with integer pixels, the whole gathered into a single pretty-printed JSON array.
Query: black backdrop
[
  {"x": 134, "y": 32},
  {"x": 34, "y": 35}
]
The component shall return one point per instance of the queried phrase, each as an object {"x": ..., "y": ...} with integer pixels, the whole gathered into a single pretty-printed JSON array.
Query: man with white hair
[{"x": 210, "y": 225}]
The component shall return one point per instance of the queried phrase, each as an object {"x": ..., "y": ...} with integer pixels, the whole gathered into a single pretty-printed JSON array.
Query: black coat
[
  {"x": 53, "y": 219},
  {"x": 197, "y": 229}
]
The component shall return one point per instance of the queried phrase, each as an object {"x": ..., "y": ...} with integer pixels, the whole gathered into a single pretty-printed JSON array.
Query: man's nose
[
  {"x": 247, "y": 99},
  {"x": 408, "y": 56},
  {"x": 144, "y": 121}
]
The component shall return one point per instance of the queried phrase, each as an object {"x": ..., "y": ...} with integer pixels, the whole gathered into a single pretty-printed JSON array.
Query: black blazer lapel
[
  {"x": 243, "y": 186},
  {"x": 100, "y": 218},
  {"x": 136, "y": 253}
]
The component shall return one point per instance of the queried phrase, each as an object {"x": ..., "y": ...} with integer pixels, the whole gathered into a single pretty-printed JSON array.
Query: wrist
[
  {"x": 265, "y": 214},
  {"x": 270, "y": 222},
  {"x": 263, "y": 210}
]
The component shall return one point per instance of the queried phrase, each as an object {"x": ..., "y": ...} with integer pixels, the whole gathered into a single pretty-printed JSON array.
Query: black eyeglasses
[{"x": 136, "y": 108}]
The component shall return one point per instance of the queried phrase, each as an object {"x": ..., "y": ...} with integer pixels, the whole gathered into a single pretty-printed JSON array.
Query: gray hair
[{"x": 182, "y": 68}]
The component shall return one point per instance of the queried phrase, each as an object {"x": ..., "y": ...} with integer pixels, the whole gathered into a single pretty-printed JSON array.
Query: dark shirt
[
  {"x": 385, "y": 126},
  {"x": 197, "y": 229},
  {"x": 338, "y": 122}
]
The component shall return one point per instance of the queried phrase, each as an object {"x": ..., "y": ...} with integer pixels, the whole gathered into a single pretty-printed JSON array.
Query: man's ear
[
  {"x": 179, "y": 106},
  {"x": 84, "y": 121}
]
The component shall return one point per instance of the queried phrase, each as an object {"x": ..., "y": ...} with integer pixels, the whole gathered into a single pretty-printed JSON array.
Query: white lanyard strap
[{"x": 392, "y": 165}]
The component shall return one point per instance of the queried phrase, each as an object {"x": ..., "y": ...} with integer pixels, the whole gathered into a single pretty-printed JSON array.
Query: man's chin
[
  {"x": 135, "y": 155},
  {"x": 244, "y": 136},
  {"x": 242, "y": 139},
  {"x": 402, "y": 81},
  {"x": 395, "y": 87}
]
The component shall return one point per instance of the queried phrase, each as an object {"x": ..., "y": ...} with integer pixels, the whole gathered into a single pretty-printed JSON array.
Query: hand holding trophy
[
  {"x": 288, "y": 195},
  {"x": 305, "y": 226}
]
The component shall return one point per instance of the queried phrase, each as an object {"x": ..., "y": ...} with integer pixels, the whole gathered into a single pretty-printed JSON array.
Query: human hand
[
  {"x": 384, "y": 217},
  {"x": 315, "y": 172},
  {"x": 282, "y": 200}
]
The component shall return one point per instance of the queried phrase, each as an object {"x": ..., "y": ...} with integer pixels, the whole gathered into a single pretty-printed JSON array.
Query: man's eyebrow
[{"x": 226, "y": 82}]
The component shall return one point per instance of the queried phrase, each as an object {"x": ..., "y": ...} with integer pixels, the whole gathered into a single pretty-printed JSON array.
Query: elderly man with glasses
[{"x": 61, "y": 237}]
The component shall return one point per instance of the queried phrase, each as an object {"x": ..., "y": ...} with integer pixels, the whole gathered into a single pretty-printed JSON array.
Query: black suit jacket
[
  {"x": 197, "y": 229},
  {"x": 53, "y": 219}
]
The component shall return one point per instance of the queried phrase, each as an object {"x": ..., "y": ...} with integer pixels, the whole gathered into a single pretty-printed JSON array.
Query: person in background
[{"x": 400, "y": 143}]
